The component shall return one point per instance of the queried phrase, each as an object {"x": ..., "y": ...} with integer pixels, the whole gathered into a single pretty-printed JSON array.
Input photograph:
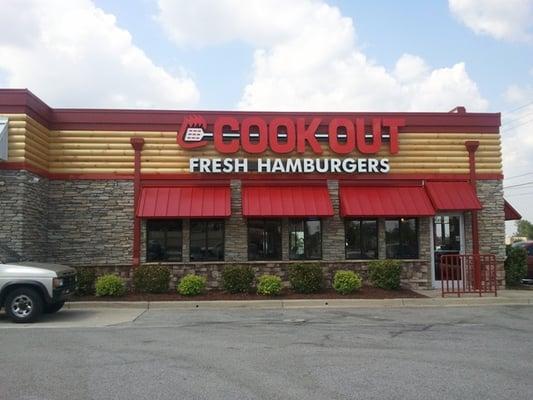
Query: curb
[{"x": 303, "y": 303}]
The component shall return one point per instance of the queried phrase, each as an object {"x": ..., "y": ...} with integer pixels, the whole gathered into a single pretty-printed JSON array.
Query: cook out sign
[{"x": 284, "y": 135}]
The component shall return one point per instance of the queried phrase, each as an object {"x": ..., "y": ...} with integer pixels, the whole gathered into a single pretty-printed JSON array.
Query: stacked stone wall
[
  {"x": 24, "y": 213},
  {"x": 414, "y": 273},
  {"x": 91, "y": 222},
  {"x": 491, "y": 223}
]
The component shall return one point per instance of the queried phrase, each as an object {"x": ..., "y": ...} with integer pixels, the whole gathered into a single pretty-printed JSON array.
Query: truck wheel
[
  {"x": 53, "y": 307},
  {"x": 24, "y": 305}
]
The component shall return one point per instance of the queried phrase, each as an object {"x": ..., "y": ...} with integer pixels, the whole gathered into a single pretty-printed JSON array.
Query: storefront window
[
  {"x": 361, "y": 239},
  {"x": 401, "y": 238},
  {"x": 305, "y": 239},
  {"x": 163, "y": 240},
  {"x": 264, "y": 239},
  {"x": 207, "y": 240}
]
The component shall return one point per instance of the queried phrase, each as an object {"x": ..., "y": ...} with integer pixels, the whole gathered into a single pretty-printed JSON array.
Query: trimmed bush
[
  {"x": 110, "y": 285},
  {"x": 151, "y": 279},
  {"x": 191, "y": 285},
  {"x": 515, "y": 265},
  {"x": 269, "y": 285},
  {"x": 237, "y": 279},
  {"x": 306, "y": 278},
  {"x": 346, "y": 282},
  {"x": 85, "y": 279},
  {"x": 385, "y": 274}
]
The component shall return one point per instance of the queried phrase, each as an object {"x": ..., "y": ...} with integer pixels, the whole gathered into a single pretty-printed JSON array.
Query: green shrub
[
  {"x": 85, "y": 279},
  {"x": 151, "y": 279},
  {"x": 306, "y": 278},
  {"x": 237, "y": 279},
  {"x": 191, "y": 285},
  {"x": 515, "y": 265},
  {"x": 110, "y": 285},
  {"x": 385, "y": 274},
  {"x": 269, "y": 285},
  {"x": 346, "y": 282}
]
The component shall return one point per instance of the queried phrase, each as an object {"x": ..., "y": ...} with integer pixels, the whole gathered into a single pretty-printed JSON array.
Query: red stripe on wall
[{"x": 244, "y": 176}]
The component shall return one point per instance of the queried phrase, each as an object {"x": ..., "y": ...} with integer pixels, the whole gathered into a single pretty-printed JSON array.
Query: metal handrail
[{"x": 468, "y": 273}]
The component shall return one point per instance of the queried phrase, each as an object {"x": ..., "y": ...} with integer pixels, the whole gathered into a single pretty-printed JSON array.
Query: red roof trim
[
  {"x": 184, "y": 182},
  {"x": 24, "y": 101}
]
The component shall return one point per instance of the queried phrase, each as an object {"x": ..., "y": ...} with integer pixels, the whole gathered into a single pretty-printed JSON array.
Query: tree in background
[
  {"x": 524, "y": 228},
  {"x": 515, "y": 265}
]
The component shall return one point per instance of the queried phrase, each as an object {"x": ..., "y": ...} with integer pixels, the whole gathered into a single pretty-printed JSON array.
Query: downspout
[
  {"x": 137, "y": 143},
  {"x": 472, "y": 147}
]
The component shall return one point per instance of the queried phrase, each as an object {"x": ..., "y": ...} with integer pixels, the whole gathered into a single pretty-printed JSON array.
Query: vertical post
[
  {"x": 472, "y": 146},
  {"x": 137, "y": 144}
]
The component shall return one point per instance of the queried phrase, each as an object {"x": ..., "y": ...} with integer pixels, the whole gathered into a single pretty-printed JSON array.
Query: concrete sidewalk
[{"x": 433, "y": 299}]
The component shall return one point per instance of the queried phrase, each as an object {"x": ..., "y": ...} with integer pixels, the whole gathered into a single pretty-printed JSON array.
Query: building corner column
[{"x": 137, "y": 143}]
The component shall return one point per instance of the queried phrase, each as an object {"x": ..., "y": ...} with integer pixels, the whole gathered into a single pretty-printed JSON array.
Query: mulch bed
[{"x": 364, "y": 293}]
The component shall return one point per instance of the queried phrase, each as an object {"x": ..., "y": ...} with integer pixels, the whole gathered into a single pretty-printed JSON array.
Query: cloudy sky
[{"x": 283, "y": 55}]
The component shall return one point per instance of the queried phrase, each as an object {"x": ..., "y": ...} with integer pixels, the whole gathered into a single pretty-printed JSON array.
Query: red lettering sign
[
  {"x": 231, "y": 146},
  {"x": 261, "y": 144},
  {"x": 283, "y": 135},
  {"x": 276, "y": 145}
]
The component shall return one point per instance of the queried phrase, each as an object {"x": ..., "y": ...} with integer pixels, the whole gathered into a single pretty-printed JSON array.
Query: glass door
[{"x": 447, "y": 239}]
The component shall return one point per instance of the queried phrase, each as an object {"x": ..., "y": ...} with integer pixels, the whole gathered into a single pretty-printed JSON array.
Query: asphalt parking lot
[{"x": 407, "y": 353}]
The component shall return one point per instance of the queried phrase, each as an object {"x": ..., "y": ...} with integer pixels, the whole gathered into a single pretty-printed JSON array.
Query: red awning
[
  {"x": 510, "y": 213},
  {"x": 185, "y": 202},
  {"x": 384, "y": 201},
  {"x": 453, "y": 196},
  {"x": 286, "y": 201}
]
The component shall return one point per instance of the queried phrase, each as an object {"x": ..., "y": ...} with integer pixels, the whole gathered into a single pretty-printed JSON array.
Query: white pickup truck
[{"x": 28, "y": 289}]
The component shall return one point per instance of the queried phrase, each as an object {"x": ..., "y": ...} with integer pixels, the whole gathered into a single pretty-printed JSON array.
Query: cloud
[
  {"x": 517, "y": 143},
  {"x": 306, "y": 58},
  {"x": 501, "y": 19},
  {"x": 518, "y": 140},
  {"x": 72, "y": 53}
]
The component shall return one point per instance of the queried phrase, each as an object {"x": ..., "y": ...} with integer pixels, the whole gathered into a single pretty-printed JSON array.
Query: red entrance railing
[{"x": 468, "y": 273}]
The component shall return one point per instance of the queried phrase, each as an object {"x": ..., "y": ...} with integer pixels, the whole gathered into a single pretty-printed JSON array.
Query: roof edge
[{"x": 23, "y": 101}]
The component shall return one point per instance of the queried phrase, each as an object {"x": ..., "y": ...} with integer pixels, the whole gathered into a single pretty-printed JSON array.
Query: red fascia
[{"x": 23, "y": 101}]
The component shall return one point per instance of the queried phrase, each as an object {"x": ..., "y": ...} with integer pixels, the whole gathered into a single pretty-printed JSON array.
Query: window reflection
[{"x": 305, "y": 239}]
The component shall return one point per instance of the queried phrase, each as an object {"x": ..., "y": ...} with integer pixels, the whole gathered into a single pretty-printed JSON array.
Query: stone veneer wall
[
  {"x": 91, "y": 222},
  {"x": 413, "y": 272},
  {"x": 24, "y": 213},
  {"x": 491, "y": 221},
  {"x": 236, "y": 230}
]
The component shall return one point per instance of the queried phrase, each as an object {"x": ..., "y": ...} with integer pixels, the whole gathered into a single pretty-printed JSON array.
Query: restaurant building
[{"x": 114, "y": 189}]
